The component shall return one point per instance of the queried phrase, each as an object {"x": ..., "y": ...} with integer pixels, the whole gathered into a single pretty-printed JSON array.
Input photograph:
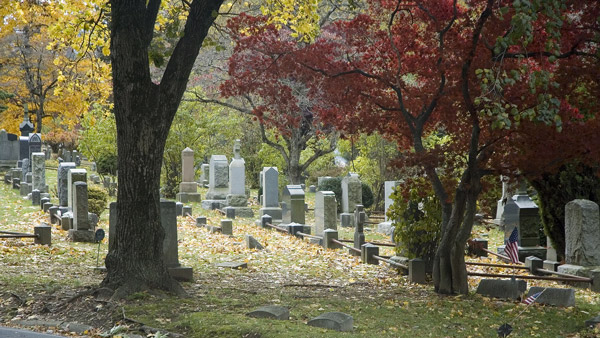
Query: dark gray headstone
[
  {"x": 80, "y": 207},
  {"x": 168, "y": 220},
  {"x": 252, "y": 243},
  {"x": 271, "y": 312},
  {"x": 553, "y": 296},
  {"x": 502, "y": 288},
  {"x": 227, "y": 227},
  {"x": 35, "y": 144},
  {"x": 338, "y": 321}
]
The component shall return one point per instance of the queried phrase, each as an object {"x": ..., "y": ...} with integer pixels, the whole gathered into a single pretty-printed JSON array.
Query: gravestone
[
  {"x": 25, "y": 168},
  {"x": 582, "y": 233},
  {"x": 270, "y": 200},
  {"x": 253, "y": 243},
  {"x": 553, "y": 296},
  {"x": 168, "y": 221},
  {"x": 82, "y": 229},
  {"x": 205, "y": 167},
  {"x": 23, "y": 147},
  {"x": 76, "y": 158},
  {"x": 38, "y": 163},
  {"x": 502, "y": 288},
  {"x": 325, "y": 211},
  {"x": 334, "y": 321},
  {"x": 35, "y": 145},
  {"x": 351, "y": 193},
  {"x": 218, "y": 183},
  {"x": 74, "y": 175},
  {"x": 9, "y": 150},
  {"x": 271, "y": 312},
  {"x": 237, "y": 198},
  {"x": 188, "y": 188},
  {"x": 293, "y": 197},
  {"x": 62, "y": 183},
  {"x": 359, "y": 236},
  {"x": 386, "y": 226},
  {"x": 521, "y": 212}
]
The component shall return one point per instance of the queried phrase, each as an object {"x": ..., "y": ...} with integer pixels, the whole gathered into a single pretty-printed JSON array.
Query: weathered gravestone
[
  {"x": 325, "y": 211},
  {"x": 9, "y": 150},
  {"x": 35, "y": 145},
  {"x": 38, "y": 163},
  {"x": 205, "y": 167},
  {"x": 218, "y": 183},
  {"x": 253, "y": 243},
  {"x": 188, "y": 188},
  {"x": 270, "y": 200},
  {"x": 82, "y": 228},
  {"x": 351, "y": 192},
  {"x": 237, "y": 198},
  {"x": 338, "y": 321},
  {"x": 502, "y": 201},
  {"x": 62, "y": 183},
  {"x": 293, "y": 207},
  {"x": 74, "y": 175},
  {"x": 168, "y": 220},
  {"x": 582, "y": 233},
  {"x": 502, "y": 288},
  {"x": 271, "y": 312}
]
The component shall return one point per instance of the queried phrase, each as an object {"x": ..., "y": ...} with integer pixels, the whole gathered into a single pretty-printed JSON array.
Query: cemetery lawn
[{"x": 47, "y": 285}]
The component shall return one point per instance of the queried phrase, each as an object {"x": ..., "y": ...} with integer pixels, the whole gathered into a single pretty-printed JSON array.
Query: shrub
[
  {"x": 333, "y": 184},
  {"x": 367, "y": 195},
  {"x": 106, "y": 164},
  {"x": 97, "y": 199},
  {"x": 417, "y": 215}
]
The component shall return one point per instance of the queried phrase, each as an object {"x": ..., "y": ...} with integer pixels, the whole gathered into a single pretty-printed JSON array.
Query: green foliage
[
  {"x": 97, "y": 199},
  {"x": 417, "y": 215},
  {"x": 207, "y": 130},
  {"x": 323, "y": 166},
  {"x": 367, "y": 195},
  {"x": 98, "y": 137},
  {"x": 107, "y": 164},
  {"x": 572, "y": 181},
  {"x": 373, "y": 156}
]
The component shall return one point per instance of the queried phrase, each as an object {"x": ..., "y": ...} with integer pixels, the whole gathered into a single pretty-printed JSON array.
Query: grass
[{"x": 289, "y": 272}]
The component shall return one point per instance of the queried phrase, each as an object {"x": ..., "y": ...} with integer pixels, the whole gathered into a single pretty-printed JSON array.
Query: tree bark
[{"x": 144, "y": 112}]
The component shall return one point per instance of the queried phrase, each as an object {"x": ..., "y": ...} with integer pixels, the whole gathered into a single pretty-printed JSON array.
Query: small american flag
[
  {"x": 531, "y": 299},
  {"x": 511, "y": 247}
]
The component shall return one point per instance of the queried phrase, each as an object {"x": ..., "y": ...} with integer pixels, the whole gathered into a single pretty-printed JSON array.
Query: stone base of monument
[
  {"x": 185, "y": 197},
  {"x": 213, "y": 204},
  {"x": 182, "y": 273},
  {"x": 524, "y": 252},
  {"x": 275, "y": 213},
  {"x": 86, "y": 236},
  {"x": 243, "y": 212},
  {"x": 237, "y": 200}
]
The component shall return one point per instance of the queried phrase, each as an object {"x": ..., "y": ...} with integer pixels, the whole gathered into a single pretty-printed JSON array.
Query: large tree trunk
[{"x": 144, "y": 112}]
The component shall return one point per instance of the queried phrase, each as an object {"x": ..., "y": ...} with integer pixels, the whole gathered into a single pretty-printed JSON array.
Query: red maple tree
[{"x": 474, "y": 70}]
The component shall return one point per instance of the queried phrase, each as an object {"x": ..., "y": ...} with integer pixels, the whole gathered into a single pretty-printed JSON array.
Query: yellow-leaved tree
[{"x": 54, "y": 60}]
